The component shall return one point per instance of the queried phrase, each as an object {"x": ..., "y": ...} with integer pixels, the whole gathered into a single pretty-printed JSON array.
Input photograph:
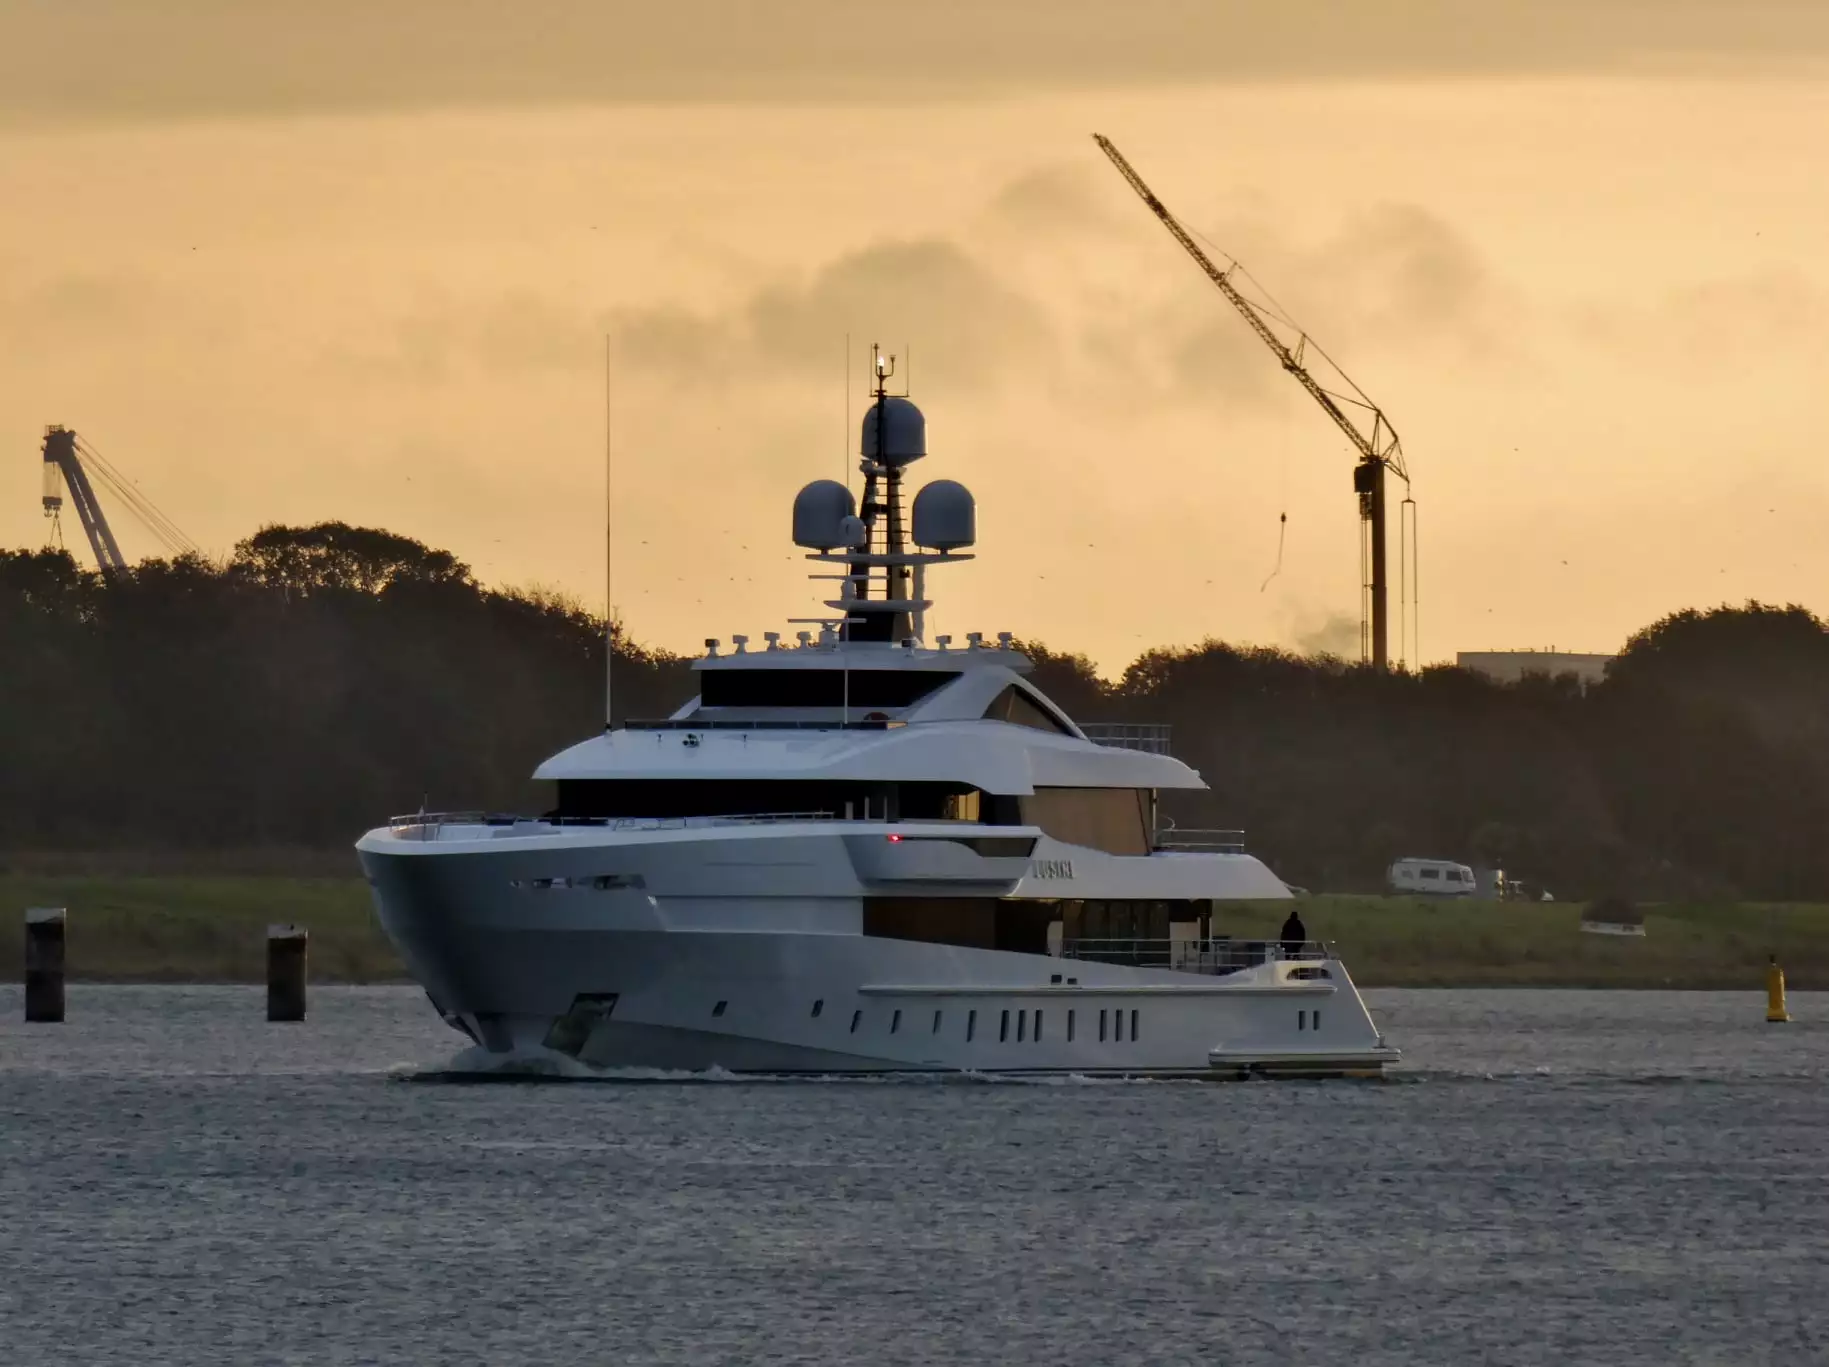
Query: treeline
[{"x": 324, "y": 677}]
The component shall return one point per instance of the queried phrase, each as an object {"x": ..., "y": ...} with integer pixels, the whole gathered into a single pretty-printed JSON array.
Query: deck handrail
[
  {"x": 1216, "y": 955},
  {"x": 436, "y": 821},
  {"x": 1151, "y": 737},
  {"x": 1197, "y": 838}
]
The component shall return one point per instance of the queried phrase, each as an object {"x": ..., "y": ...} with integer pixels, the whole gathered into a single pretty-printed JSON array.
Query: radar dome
[
  {"x": 821, "y": 511},
  {"x": 904, "y": 432},
  {"x": 945, "y": 516}
]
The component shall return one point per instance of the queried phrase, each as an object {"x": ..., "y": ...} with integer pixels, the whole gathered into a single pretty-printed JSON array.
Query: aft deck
[{"x": 1216, "y": 956}]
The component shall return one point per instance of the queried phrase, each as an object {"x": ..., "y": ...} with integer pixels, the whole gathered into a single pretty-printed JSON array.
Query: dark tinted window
[
  {"x": 593, "y": 797},
  {"x": 818, "y": 687},
  {"x": 1112, "y": 819},
  {"x": 1017, "y": 707}
]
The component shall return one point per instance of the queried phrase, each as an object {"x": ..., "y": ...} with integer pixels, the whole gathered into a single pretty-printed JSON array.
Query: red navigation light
[{"x": 895, "y": 840}]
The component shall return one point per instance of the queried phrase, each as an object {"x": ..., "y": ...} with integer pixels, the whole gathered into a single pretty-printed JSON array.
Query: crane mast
[
  {"x": 68, "y": 463},
  {"x": 1380, "y": 451},
  {"x": 61, "y": 460}
]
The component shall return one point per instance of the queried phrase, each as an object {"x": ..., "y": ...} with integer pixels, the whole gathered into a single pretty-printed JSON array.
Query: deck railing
[
  {"x": 432, "y": 825},
  {"x": 1152, "y": 737},
  {"x": 762, "y": 724},
  {"x": 1199, "y": 840},
  {"x": 1192, "y": 955}
]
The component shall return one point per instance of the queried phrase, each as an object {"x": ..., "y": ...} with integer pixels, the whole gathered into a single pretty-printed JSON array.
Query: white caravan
[{"x": 1432, "y": 877}]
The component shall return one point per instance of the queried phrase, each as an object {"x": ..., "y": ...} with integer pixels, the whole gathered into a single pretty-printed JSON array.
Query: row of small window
[
  {"x": 1025, "y": 1030},
  {"x": 1028, "y": 1023},
  {"x": 601, "y": 882}
]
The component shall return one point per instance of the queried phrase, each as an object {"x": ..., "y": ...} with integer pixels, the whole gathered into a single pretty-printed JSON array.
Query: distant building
[{"x": 1509, "y": 666}]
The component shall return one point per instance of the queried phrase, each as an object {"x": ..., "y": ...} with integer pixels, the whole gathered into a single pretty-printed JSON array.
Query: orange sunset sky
[{"x": 358, "y": 261}]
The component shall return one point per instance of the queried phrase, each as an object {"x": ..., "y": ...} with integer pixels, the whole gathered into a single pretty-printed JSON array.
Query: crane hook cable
[{"x": 1282, "y": 528}]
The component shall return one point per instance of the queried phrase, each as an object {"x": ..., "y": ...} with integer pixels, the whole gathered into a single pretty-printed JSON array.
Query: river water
[{"x": 1557, "y": 1177}]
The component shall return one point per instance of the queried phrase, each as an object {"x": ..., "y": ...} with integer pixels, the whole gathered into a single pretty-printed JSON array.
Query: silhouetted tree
[{"x": 324, "y": 677}]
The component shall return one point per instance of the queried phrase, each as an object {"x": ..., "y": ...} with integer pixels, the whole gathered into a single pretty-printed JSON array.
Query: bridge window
[
  {"x": 818, "y": 687},
  {"x": 590, "y": 799}
]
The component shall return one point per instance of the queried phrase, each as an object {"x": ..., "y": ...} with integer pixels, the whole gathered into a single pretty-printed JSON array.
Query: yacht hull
[{"x": 676, "y": 962}]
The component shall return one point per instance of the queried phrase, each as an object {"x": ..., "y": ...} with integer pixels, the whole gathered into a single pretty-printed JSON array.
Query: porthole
[
  {"x": 895, "y": 1023},
  {"x": 1022, "y": 1019},
  {"x": 1133, "y": 1027},
  {"x": 818, "y": 1006},
  {"x": 718, "y": 1010},
  {"x": 1070, "y": 1025},
  {"x": 936, "y": 1022},
  {"x": 1301, "y": 1020},
  {"x": 1101, "y": 1027},
  {"x": 971, "y": 1025},
  {"x": 1038, "y": 1026},
  {"x": 1117, "y": 1026},
  {"x": 1003, "y": 1029},
  {"x": 1316, "y": 1018},
  {"x": 857, "y": 1019}
]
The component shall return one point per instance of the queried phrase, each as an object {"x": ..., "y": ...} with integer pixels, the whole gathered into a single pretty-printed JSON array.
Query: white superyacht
[{"x": 862, "y": 853}]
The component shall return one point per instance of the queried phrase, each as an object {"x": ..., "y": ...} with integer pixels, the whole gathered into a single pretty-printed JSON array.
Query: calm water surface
[{"x": 1561, "y": 1177}]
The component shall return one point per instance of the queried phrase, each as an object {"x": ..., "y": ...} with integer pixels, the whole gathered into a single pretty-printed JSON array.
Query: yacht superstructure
[{"x": 858, "y": 853}]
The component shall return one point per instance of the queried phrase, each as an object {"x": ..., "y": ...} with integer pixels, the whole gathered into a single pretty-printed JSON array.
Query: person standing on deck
[{"x": 1294, "y": 934}]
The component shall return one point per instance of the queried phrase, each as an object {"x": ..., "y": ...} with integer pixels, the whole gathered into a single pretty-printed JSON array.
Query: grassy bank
[
  {"x": 1422, "y": 942},
  {"x": 211, "y": 927},
  {"x": 198, "y": 927}
]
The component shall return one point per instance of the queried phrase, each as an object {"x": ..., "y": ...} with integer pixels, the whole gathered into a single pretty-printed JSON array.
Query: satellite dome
[
  {"x": 821, "y": 512},
  {"x": 904, "y": 435},
  {"x": 945, "y": 516}
]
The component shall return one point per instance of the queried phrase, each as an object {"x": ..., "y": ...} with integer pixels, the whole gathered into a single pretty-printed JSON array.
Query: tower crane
[
  {"x": 1380, "y": 451},
  {"x": 68, "y": 462}
]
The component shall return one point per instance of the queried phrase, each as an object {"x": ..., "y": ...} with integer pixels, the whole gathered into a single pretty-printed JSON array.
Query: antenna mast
[
  {"x": 609, "y": 559},
  {"x": 1379, "y": 449}
]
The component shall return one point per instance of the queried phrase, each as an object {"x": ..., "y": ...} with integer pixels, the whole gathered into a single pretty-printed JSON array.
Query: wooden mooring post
[
  {"x": 44, "y": 964},
  {"x": 287, "y": 952}
]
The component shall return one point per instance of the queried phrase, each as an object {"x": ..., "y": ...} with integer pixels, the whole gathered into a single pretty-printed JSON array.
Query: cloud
[
  {"x": 1756, "y": 321},
  {"x": 958, "y": 321},
  {"x": 229, "y": 58},
  {"x": 1052, "y": 281}
]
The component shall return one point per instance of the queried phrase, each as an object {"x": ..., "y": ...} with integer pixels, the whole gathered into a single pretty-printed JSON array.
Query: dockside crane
[
  {"x": 1373, "y": 437},
  {"x": 68, "y": 461}
]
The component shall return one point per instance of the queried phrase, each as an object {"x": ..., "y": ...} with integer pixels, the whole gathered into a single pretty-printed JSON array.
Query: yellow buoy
[{"x": 1775, "y": 1012}]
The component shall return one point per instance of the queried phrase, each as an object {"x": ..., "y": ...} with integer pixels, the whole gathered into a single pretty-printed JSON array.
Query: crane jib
[{"x": 1376, "y": 457}]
